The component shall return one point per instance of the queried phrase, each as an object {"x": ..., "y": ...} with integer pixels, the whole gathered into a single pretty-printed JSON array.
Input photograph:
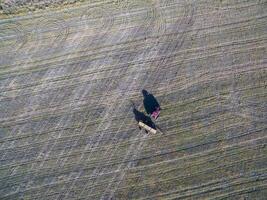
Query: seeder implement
[{"x": 147, "y": 128}]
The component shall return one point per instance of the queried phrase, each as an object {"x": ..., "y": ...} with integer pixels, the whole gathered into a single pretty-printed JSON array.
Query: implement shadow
[{"x": 141, "y": 117}]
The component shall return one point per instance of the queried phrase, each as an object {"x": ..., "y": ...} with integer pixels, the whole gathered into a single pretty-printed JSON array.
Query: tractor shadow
[{"x": 150, "y": 102}]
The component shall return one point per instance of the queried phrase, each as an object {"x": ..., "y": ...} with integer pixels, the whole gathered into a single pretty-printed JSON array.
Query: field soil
[{"x": 70, "y": 73}]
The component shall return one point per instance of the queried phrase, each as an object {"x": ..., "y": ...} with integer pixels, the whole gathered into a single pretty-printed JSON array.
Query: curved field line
[
  {"x": 15, "y": 32},
  {"x": 59, "y": 29},
  {"x": 12, "y": 38},
  {"x": 97, "y": 21}
]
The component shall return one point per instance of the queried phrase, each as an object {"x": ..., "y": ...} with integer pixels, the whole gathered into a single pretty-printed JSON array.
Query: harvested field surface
[{"x": 69, "y": 74}]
